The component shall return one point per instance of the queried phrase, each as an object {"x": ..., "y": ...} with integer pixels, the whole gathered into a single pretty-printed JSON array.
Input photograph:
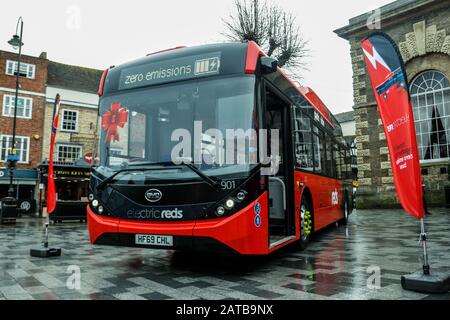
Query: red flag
[
  {"x": 390, "y": 86},
  {"x": 51, "y": 192}
]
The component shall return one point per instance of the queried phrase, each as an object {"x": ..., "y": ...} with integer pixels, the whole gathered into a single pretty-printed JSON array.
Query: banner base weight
[
  {"x": 435, "y": 282},
  {"x": 45, "y": 252}
]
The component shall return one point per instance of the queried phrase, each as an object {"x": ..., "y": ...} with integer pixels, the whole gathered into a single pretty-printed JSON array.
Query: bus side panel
[
  {"x": 240, "y": 231},
  {"x": 323, "y": 191}
]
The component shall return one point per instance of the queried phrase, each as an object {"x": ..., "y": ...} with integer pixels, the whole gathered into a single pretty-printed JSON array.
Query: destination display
[{"x": 170, "y": 70}]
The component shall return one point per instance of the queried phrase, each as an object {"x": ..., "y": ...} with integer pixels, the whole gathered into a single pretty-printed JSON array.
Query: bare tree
[{"x": 271, "y": 28}]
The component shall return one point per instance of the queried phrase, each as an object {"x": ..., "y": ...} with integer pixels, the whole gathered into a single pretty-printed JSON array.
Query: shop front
[
  {"x": 72, "y": 183},
  {"x": 26, "y": 188}
]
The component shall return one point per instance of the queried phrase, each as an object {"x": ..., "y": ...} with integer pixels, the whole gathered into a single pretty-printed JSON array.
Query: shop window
[
  {"x": 430, "y": 94},
  {"x": 68, "y": 153},
  {"x": 26, "y": 70},
  {"x": 69, "y": 120},
  {"x": 24, "y": 106},
  {"x": 22, "y": 148}
]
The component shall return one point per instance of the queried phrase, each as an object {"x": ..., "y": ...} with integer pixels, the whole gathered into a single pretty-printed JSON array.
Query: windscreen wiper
[
  {"x": 212, "y": 182},
  {"x": 102, "y": 184}
]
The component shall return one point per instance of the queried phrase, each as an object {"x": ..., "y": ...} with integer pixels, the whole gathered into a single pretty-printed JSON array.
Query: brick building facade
[
  {"x": 30, "y": 116},
  {"x": 421, "y": 29}
]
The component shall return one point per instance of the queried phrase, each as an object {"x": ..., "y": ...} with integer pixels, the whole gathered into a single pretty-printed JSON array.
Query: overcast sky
[{"x": 100, "y": 33}]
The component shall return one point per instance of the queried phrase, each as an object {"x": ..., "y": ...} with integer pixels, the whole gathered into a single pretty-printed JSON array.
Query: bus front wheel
[{"x": 306, "y": 223}]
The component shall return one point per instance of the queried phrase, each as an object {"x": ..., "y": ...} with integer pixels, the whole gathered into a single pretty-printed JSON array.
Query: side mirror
[{"x": 268, "y": 65}]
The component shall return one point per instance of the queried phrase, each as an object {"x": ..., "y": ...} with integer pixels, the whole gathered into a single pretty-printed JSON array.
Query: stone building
[
  {"x": 29, "y": 124},
  {"x": 75, "y": 139},
  {"x": 421, "y": 29},
  {"x": 78, "y": 88}
]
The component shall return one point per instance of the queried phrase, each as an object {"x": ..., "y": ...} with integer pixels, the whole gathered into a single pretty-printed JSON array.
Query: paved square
[{"x": 334, "y": 266}]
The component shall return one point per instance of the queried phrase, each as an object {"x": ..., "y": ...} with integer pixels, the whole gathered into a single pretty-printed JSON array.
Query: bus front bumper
[{"x": 237, "y": 233}]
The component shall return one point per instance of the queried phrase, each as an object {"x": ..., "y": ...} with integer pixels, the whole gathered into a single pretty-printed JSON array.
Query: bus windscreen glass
[{"x": 157, "y": 119}]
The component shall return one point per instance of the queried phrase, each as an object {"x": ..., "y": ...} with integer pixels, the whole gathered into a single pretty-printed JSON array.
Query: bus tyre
[
  {"x": 344, "y": 220},
  {"x": 306, "y": 223}
]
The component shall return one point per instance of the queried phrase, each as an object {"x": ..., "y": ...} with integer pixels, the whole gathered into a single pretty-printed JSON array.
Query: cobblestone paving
[{"x": 334, "y": 266}]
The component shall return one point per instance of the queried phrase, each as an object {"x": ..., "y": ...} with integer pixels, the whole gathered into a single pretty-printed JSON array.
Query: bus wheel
[
  {"x": 305, "y": 223},
  {"x": 344, "y": 220}
]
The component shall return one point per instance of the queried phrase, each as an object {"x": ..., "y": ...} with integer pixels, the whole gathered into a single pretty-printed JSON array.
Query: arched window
[{"x": 430, "y": 94}]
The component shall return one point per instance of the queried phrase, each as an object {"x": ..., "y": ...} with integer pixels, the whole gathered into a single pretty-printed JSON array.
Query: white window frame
[
  {"x": 70, "y": 146},
  {"x": 418, "y": 92},
  {"x": 11, "y": 108},
  {"x": 8, "y": 147},
  {"x": 30, "y": 68},
  {"x": 76, "y": 121}
]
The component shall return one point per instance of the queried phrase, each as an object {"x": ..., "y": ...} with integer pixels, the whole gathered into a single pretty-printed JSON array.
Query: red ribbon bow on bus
[{"x": 112, "y": 119}]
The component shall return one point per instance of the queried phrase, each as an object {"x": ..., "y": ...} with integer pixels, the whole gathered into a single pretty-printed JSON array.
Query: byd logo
[{"x": 153, "y": 195}]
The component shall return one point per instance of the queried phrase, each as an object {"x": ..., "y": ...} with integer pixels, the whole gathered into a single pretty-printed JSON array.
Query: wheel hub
[{"x": 305, "y": 222}]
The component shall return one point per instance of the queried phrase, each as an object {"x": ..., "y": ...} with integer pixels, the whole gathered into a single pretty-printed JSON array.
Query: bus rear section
[{"x": 197, "y": 150}]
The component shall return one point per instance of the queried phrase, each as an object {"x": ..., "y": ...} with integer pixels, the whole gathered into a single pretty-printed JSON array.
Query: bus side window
[
  {"x": 319, "y": 152},
  {"x": 302, "y": 141}
]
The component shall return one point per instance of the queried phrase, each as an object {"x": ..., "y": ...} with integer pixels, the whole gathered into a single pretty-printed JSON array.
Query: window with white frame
[
  {"x": 27, "y": 70},
  {"x": 69, "y": 120},
  {"x": 430, "y": 94},
  {"x": 68, "y": 153},
  {"x": 22, "y": 148},
  {"x": 24, "y": 106}
]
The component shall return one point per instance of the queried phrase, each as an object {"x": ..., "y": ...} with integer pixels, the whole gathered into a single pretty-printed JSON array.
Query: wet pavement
[{"x": 341, "y": 263}]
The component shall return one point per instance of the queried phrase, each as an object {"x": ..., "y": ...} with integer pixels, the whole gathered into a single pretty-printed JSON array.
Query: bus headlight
[
  {"x": 100, "y": 209},
  {"x": 95, "y": 203},
  {"x": 220, "y": 211},
  {"x": 91, "y": 197},
  {"x": 229, "y": 204}
]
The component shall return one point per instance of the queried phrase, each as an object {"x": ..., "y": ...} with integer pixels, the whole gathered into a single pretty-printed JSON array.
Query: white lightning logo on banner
[{"x": 374, "y": 58}]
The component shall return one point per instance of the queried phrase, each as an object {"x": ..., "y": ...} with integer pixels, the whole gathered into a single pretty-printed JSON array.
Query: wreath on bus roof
[{"x": 112, "y": 119}]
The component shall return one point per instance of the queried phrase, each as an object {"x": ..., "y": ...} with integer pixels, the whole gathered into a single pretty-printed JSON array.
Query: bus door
[{"x": 281, "y": 213}]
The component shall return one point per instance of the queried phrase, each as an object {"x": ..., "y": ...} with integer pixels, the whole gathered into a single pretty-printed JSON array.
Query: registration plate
[{"x": 154, "y": 240}]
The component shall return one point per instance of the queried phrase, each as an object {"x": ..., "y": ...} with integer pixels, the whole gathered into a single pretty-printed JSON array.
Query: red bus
[{"x": 140, "y": 197}]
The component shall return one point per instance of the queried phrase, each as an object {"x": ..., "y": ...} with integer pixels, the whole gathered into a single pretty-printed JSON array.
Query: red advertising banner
[
  {"x": 51, "y": 191},
  {"x": 390, "y": 86}
]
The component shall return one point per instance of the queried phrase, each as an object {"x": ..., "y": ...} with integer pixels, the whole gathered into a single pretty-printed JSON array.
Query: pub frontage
[{"x": 72, "y": 182}]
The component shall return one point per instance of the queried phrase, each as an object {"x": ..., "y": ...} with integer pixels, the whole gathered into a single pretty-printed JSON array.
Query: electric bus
[{"x": 140, "y": 196}]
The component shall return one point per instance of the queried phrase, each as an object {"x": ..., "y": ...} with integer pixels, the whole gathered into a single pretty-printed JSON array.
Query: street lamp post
[
  {"x": 15, "y": 42},
  {"x": 9, "y": 204}
]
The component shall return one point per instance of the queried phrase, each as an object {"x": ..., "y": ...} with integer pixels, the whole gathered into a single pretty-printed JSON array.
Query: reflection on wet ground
[{"x": 339, "y": 264}]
